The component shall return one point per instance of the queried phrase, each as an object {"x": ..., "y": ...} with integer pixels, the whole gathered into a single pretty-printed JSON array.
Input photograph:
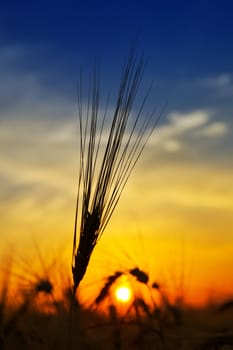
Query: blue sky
[
  {"x": 184, "y": 42},
  {"x": 187, "y": 45}
]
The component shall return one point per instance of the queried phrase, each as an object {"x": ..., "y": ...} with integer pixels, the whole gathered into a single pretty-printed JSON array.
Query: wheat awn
[{"x": 103, "y": 175}]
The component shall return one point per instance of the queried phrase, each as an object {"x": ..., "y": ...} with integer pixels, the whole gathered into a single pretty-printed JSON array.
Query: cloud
[
  {"x": 18, "y": 87},
  {"x": 24, "y": 91},
  {"x": 11, "y": 54},
  {"x": 172, "y": 146},
  {"x": 214, "y": 129},
  {"x": 189, "y": 121},
  {"x": 183, "y": 128},
  {"x": 39, "y": 158},
  {"x": 221, "y": 81},
  {"x": 221, "y": 84}
]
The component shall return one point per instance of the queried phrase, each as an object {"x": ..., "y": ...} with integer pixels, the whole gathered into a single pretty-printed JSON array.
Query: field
[{"x": 41, "y": 317}]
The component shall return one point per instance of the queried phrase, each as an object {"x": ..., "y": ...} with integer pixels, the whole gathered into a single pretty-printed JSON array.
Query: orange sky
[{"x": 174, "y": 220}]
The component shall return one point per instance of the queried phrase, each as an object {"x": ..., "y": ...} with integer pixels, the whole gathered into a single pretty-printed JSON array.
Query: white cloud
[
  {"x": 172, "y": 146},
  {"x": 189, "y": 121},
  {"x": 214, "y": 129},
  {"x": 182, "y": 127}
]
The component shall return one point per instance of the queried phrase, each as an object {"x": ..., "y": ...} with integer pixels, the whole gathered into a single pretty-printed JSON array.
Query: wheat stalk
[{"x": 103, "y": 175}]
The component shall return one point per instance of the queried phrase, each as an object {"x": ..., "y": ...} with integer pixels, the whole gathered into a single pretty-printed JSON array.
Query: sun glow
[{"x": 123, "y": 294}]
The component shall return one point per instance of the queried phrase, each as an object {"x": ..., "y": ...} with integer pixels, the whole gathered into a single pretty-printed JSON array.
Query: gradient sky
[{"x": 183, "y": 181}]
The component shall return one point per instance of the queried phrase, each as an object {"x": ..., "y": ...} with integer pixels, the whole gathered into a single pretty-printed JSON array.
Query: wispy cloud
[
  {"x": 183, "y": 128},
  {"x": 221, "y": 81},
  {"x": 214, "y": 129},
  {"x": 221, "y": 84},
  {"x": 188, "y": 121},
  {"x": 40, "y": 155},
  {"x": 10, "y": 54}
]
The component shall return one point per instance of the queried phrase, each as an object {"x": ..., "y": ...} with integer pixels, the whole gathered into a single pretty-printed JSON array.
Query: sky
[{"x": 179, "y": 199}]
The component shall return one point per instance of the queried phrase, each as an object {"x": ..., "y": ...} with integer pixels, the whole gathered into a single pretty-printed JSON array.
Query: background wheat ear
[
  {"x": 105, "y": 290},
  {"x": 104, "y": 167}
]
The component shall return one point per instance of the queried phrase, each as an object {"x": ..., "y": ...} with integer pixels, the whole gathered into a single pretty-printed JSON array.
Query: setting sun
[{"x": 123, "y": 294}]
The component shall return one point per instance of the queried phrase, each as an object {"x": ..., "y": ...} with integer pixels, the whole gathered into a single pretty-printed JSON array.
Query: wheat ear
[{"x": 103, "y": 174}]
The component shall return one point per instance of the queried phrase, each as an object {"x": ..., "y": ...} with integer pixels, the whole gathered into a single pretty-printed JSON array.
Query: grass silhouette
[
  {"x": 39, "y": 319},
  {"x": 103, "y": 175}
]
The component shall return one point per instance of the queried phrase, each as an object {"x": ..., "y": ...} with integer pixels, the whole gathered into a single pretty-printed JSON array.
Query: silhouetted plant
[
  {"x": 103, "y": 175},
  {"x": 140, "y": 275},
  {"x": 105, "y": 290}
]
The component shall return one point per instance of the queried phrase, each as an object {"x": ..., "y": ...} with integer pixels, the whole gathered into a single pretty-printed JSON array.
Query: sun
[{"x": 123, "y": 294}]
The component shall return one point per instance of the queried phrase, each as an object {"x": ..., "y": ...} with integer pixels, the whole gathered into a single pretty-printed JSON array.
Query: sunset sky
[{"x": 175, "y": 217}]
